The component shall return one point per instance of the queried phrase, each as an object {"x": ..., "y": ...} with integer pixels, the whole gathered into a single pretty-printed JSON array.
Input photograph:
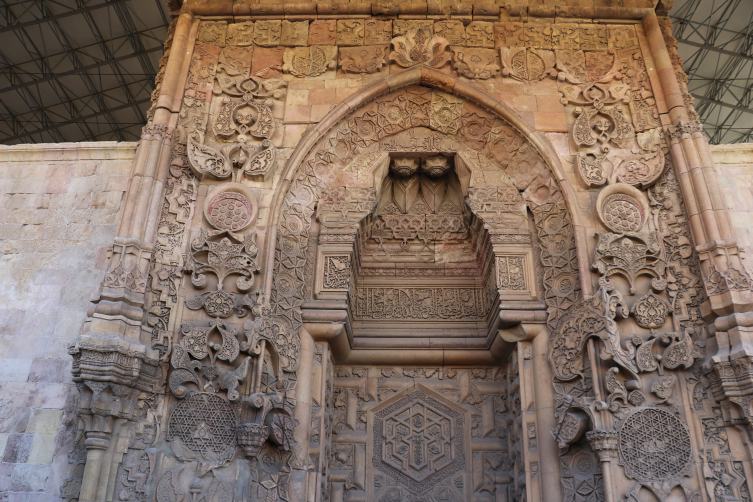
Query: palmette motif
[{"x": 420, "y": 46}]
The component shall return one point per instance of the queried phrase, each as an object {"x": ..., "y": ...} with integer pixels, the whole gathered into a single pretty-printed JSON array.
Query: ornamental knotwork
[
  {"x": 203, "y": 427},
  {"x": 248, "y": 110},
  {"x": 306, "y": 62},
  {"x": 527, "y": 65},
  {"x": 601, "y": 119},
  {"x": 419, "y": 443}
]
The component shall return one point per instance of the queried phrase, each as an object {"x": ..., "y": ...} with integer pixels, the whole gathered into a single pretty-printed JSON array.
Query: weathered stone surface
[
  {"x": 363, "y": 60},
  {"x": 480, "y": 34},
  {"x": 58, "y": 254},
  {"x": 267, "y": 33},
  {"x": 350, "y": 32},
  {"x": 323, "y": 32},
  {"x": 294, "y": 33},
  {"x": 377, "y": 32},
  {"x": 240, "y": 34}
]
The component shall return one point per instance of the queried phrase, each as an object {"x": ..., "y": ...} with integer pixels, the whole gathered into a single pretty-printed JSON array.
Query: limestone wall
[
  {"x": 734, "y": 165},
  {"x": 59, "y": 208}
]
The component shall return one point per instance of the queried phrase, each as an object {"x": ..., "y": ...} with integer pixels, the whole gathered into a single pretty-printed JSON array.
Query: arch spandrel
[{"x": 416, "y": 111}]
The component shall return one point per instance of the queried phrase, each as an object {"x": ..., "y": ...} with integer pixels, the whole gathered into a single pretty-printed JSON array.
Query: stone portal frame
[
  {"x": 306, "y": 178},
  {"x": 470, "y": 324}
]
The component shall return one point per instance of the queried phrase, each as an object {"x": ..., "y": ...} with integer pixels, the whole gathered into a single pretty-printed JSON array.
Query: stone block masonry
[
  {"x": 59, "y": 208},
  {"x": 734, "y": 166}
]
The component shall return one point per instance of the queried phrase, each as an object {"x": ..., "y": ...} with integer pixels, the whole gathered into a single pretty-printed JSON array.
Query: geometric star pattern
[
  {"x": 654, "y": 445},
  {"x": 203, "y": 422}
]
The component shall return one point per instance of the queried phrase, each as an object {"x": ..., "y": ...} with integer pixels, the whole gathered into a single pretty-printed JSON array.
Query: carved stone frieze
[
  {"x": 267, "y": 33},
  {"x": 350, "y": 32},
  {"x": 565, "y": 36},
  {"x": 420, "y": 303},
  {"x": 240, "y": 34},
  {"x": 323, "y": 32},
  {"x": 212, "y": 32},
  {"x": 377, "y": 32},
  {"x": 480, "y": 34},
  {"x": 306, "y": 62},
  {"x": 527, "y": 65},
  {"x": 642, "y": 104},
  {"x": 364, "y": 60},
  {"x": 509, "y": 35},
  {"x": 294, "y": 33},
  {"x": 474, "y": 63},
  {"x": 452, "y": 31}
]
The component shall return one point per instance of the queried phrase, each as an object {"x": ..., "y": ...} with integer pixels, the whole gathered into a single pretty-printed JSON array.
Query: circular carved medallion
[
  {"x": 622, "y": 208},
  {"x": 654, "y": 446},
  {"x": 229, "y": 211},
  {"x": 219, "y": 304},
  {"x": 564, "y": 284},
  {"x": 286, "y": 285},
  {"x": 231, "y": 206},
  {"x": 622, "y": 213},
  {"x": 205, "y": 424},
  {"x": 650, "y": 311},
  {"x": 270, "y": 459}
]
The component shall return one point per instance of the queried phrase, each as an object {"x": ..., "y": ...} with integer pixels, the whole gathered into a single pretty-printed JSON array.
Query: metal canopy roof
[
  {"x": 715, "y": 40},
  {"x": 78, "y": 70}
]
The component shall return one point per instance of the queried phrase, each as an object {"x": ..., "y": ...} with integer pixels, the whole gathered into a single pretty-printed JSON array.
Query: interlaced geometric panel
[
  {"x": 418, "y": 440},
  {"x": 203, "y": 422},
  {"x": 654, "y": 445}
]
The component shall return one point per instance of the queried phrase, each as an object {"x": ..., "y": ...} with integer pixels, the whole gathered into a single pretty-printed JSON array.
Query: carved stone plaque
[{"x": 418, "y": 448}]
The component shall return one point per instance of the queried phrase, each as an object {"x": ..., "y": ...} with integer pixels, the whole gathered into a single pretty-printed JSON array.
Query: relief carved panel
[{"x": 419, "y": 445}]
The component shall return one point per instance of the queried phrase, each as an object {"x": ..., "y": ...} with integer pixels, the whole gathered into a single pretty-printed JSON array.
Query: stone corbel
[
  {"x": 112, "y": 374},
  {"x": 127, "y": 277},
  {"x": 728, "y": 285}
]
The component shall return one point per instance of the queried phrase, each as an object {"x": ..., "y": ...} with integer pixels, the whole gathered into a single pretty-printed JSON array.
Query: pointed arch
[{"x": 308, "y": 173}]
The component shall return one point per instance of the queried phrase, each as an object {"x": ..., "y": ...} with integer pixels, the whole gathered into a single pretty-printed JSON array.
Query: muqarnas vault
[{"x": 418, "y": 253}]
